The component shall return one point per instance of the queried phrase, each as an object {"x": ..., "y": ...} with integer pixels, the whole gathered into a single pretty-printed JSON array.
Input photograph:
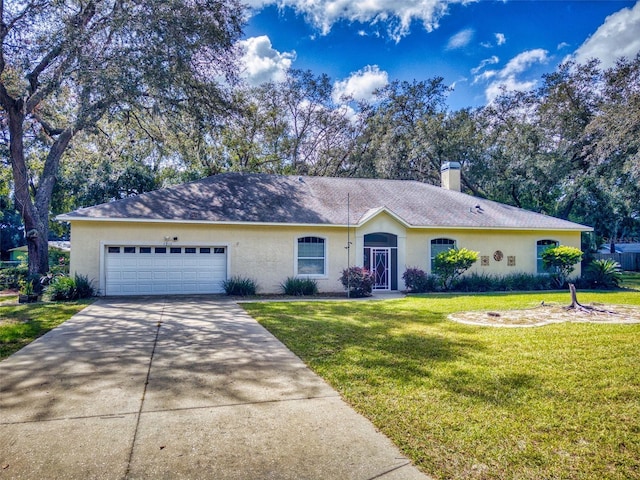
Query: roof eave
[{"x": 67, "y": 218}]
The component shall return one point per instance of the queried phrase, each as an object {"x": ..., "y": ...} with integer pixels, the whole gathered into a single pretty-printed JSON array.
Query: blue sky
[{"x": 477, "y": 47}]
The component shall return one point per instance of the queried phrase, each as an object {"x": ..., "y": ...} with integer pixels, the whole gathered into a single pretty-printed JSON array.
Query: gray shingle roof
[{"x": 262, "y": 198}]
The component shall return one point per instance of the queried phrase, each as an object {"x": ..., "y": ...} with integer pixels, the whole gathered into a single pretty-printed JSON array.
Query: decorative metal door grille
[{"x": 380, "y": 268}]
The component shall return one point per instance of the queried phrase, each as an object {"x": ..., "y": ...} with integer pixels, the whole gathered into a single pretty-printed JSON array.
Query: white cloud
[
  {"x": 262, "y": 63},
  {"x": 360, "y": 85},
  {"x": 508, "y": 78},
  {"x": 618, "y": 36},
  {"x": 460, "y": 39},
  {"x": 398, "y": 16},
  {"x": 501, "y": 39},
  {"x": 460, "y": 80},
  {"x": 521, "y": 62},
  {"x": 562, "y": 46},
  {"x": 484, "y": 76},
  {"x": 495, "y": 89},
  {"x": 487, "y": 61}
]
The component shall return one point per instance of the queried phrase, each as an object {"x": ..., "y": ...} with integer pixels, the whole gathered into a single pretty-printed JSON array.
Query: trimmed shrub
[
  {"x": 357, "y": 281},
  {"x": 452, "y": 263},
  {"x": 417, "y": 281},
  {"x": 561, "y": 260},
  {"x": 603, "y": 273},
  {"x": 520, "y": 281},
  {"x": 482, "y": 282},
  {"x": 299, "y": 286},
  {"x": 241, "y": 286},
  {"x": 478, "y": 282}
]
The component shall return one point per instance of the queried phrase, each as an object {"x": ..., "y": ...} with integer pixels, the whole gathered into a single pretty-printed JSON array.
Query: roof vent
[{"x": 450, "y": 176}]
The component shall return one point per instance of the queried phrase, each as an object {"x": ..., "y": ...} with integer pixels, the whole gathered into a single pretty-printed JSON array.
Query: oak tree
[{"x": 65, "y": 64}]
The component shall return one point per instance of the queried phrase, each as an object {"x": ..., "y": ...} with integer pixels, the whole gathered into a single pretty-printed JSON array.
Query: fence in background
[{"x": 628, "y": 261}]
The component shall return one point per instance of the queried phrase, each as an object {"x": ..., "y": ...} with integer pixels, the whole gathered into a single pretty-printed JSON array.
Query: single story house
[
  {"x": 621, "y": 248},
  {"x": 21, "y": 253},
  {"x": 190, "y": 238}
]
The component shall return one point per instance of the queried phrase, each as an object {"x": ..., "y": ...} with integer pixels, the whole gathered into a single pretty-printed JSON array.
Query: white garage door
[{"x": 140, "y": 270}]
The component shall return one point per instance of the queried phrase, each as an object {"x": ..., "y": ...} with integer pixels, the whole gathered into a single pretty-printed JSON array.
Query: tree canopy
[
  {"x": 64, "y": 65},
  {"x": 102, "y": 99}
]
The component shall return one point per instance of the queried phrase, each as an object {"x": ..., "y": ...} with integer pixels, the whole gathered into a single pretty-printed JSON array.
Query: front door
[{"x": 380, "y": 267}]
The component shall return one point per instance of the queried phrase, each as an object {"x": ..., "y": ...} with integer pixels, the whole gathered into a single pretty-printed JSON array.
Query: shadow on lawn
[
  {"x": 375, "y": 343},
  {"x": 499, "y": 389}
]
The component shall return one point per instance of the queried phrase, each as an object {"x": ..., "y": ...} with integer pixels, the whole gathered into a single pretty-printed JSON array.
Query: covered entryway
[
  {"x": 161, "y": 270},
  {"x": 381, "y": 258}
]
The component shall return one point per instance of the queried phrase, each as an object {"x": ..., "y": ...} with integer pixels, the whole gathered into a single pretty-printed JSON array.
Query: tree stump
[
  {"x": 574, "y": 297},
  {"x": 578, "y": 307}
]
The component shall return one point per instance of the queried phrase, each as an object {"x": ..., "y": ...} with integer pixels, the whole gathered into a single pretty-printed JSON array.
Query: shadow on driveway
[{"x": 178, "y": 387}]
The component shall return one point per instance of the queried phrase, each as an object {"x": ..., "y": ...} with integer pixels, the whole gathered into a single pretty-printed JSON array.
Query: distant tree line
[{"x": 568, "y": 149}]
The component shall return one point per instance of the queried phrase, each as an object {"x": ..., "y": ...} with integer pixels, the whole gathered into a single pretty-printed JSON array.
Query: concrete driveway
[{"x": 178, "y": 387}]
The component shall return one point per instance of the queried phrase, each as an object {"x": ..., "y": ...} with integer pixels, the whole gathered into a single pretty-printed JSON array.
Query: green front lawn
[
  {"x": 560, "y": 401},
  {"x": 22, "y": 324}
]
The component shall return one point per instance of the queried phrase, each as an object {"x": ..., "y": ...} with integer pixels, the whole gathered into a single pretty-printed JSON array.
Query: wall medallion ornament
[{"x": 497, "y": 255}]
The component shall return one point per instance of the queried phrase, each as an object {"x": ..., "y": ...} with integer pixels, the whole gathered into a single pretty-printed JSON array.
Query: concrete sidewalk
[{"x": 188, "y": 387}]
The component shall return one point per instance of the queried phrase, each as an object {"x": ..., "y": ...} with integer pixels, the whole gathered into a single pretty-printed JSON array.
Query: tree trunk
[
  {"x": 38, "y": 248},
  {"x": 24, "y": 203},
  {"x": 577, "y": 306},
  {"x": 574, "y": 296},
  {"x": 35, "y": 214}
]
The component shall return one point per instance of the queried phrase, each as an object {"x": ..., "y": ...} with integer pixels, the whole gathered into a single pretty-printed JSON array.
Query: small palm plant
[
  {"x": 242, "y": 286},
  {"x": 26, "y": 287},
  {"x": 299, "y": 286},
  {"x": 604, "y": 273}
]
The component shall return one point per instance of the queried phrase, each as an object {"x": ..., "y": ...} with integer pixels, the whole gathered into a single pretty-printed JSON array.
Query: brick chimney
[{"x": 450, "y": 176}]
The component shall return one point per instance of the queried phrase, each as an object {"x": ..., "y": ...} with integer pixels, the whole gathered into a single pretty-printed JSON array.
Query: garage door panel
[
  {"x": 175, "y": 262},
  {"x": 192, "y": 263},
  {"x": 161, "y": 275},
  {"x": 156, "y": 271},
  {"x": 145, "y": 275},
  {"x": 189, "y": 276},
  {"x": 129, "y": 275}
]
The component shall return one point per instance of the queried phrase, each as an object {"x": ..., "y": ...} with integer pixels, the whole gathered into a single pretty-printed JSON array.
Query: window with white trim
[
  {"x": 439, "y": 245},
  {"x": 541, "y": 246},
  {"x": 311, "y": 256}
]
